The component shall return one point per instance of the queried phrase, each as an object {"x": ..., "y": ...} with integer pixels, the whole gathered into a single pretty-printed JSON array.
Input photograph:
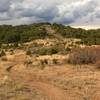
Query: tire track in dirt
[{"x": 52, "y": 92}]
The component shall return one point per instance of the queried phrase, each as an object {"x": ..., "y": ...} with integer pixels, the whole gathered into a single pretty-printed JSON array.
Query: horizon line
[{"x": 87, "y": 27}]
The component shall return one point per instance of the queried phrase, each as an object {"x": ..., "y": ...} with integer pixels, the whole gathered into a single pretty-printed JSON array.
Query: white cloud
[{"x": 60, "y": 11}]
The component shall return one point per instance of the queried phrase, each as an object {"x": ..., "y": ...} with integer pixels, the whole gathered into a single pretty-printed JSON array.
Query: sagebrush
[{"x": 87, "y": 55}]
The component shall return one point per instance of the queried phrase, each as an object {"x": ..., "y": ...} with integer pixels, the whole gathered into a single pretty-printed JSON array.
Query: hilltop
[{"x": 26, "y": 33}]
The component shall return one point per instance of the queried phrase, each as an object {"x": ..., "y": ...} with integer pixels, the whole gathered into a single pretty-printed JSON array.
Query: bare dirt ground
[
  {"x": 55, "y": 82},
  {"x": 61, "y": 82}
]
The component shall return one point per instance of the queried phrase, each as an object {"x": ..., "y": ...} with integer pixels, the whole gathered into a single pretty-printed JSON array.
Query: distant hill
[{"x": 25, "y": 33}]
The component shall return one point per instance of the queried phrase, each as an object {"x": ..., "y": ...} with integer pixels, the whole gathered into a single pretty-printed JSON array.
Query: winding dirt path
[{"x": 52, "y": 92}]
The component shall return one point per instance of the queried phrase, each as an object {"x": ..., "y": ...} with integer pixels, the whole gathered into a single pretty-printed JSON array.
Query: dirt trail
[
  {"x": 52, "y": 92},
  {"x": 61, "y": 83},
  {"x": 53, "y": 33}
]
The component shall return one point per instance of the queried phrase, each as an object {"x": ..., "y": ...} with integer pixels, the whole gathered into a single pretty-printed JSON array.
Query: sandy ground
[
  {"x": 56, "y": 82},
  {"x": 60, "y": 82}
]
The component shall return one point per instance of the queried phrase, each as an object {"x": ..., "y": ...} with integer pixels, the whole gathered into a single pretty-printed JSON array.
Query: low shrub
[
  {"x": 52, "y": 51},
  {"x": 55, "y": 61},
  {"x": 84, "y": 56},
  {"x": 11, "y": 52},
  {"x": 28, "y": 62},
  {"x": 42, "y": 51},
  {"x": 28, "y": 52},
  {"x": 2, "y": 53},
  {"x": 43, "y": 63},
  {"x": 47, "y": 50},
  {"x": 68, "y": 49}
]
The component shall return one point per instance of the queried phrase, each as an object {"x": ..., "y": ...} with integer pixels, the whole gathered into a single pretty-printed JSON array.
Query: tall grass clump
[{"x": 87, "y": 55}]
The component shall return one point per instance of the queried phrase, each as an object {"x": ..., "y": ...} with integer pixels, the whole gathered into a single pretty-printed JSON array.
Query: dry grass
[
  {"x": 64, "y": 82},
  {"x": 87, "y": 55},
  {"x": 56, "y": 80}
]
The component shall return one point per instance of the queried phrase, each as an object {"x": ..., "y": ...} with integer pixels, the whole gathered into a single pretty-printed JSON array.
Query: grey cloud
[
  {"x": 97, "y": 13},
  {"x": 85, "y": 9},
  {"x": 47, "y": 14},
  {"x": 41, "y": 11},
  {"x": 78, "y": 10},
  {"x": 4, "y": 16},
  {"x": 60, "y": 11},
  {"x": 4, "y": 5}
]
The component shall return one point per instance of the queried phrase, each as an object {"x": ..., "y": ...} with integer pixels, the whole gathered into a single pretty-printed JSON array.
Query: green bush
[
  {"x": 53, "y": 50},
  {"x": 68, "y": 49},
  {"x": 42, "y": 51},
  {"x": 48, "y": 50}
]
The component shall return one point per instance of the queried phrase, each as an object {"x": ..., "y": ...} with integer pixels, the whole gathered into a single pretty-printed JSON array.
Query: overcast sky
[{"x": 68, "y": 12}]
